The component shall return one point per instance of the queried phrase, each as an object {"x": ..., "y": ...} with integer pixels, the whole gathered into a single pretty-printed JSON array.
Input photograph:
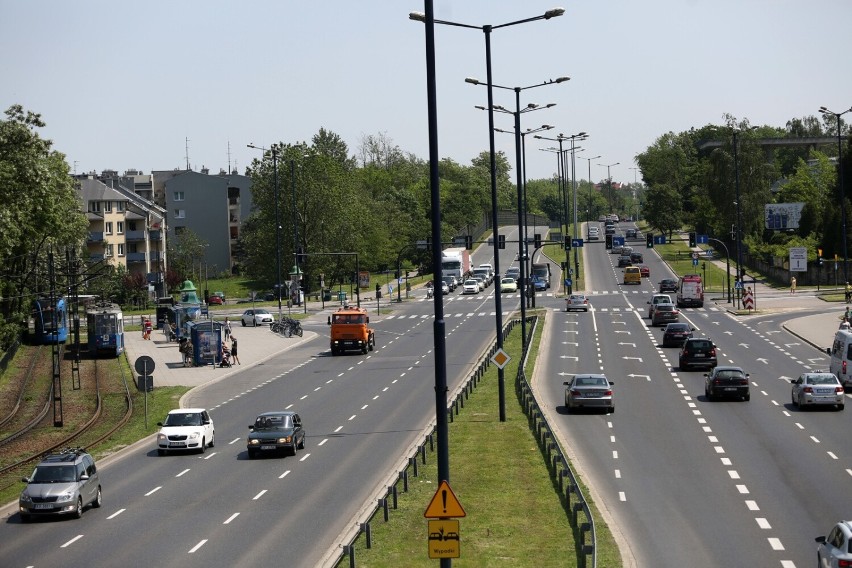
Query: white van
[{"x": 841, "y": 356}]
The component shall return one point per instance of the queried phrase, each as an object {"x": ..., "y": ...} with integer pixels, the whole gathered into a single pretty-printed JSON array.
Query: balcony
[
  {"x": 136, "y": 257},
  {"x": 96, "y": 257},
  {"x": 96, "y": 236},
  {"x": 134, "y": 236},
  {"x": 154, "y": 235}
]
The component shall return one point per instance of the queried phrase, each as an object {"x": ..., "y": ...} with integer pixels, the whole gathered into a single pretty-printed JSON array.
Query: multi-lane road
[{"x": 684, "y": 481}]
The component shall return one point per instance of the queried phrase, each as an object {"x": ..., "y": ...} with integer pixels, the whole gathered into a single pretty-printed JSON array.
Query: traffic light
[
  {"x": 301, "y": 257},
  {"x": 567, "y": 242},
  {"x": 428, "y": 244},
  {"x": 537, "y": 240},
  {"x": 692, "y": 240},
  {"x": 819, "y": 261},
  {"x": 501, "y": 241},
  {"x": 608, "y": 242},
  {"x": 468, "y": 242},
  {"x": 649, "y": 240}
]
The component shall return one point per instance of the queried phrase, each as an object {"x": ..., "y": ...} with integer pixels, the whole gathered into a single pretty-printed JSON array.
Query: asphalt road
[
  {"x": 686, "y": 481},
  {"x": 362, "y": 414}
]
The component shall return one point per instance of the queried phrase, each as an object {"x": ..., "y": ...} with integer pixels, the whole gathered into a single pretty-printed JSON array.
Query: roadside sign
[
  {"x": 798, "y": 259},
  {"x": 500, "y": 358},
  {"x": 144, "y": 365},
  {"x": 659, "y": 239},
  {"x": 568, "y": 282},
  {"x": 694, "y": 255},
  {"x": 577, "y": 243},
  {"x": 444, "y": 539},
  {"x": 739, "y": 285},
  {"x": 444, "y": 504},
  {"x": 702, "y": 239},
  {"x": 618, "y": 241},
  {"x": 694, "y": 261}
]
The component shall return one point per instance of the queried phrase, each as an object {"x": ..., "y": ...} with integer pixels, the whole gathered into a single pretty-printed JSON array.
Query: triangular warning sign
[{"x": 444, "y": 504}]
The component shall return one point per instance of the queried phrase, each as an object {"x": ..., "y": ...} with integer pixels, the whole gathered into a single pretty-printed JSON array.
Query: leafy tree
[{"x": 663, "y": 209}]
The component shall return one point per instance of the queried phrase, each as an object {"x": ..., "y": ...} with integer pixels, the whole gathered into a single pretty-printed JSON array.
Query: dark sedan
[
  {"x": 665, "y": 313},
  {"x": 675, "y": 334},
  {"x": 725, "y": 381},
  {"x": 668, "y": 285},
  {"x": 274, "y": 431}
]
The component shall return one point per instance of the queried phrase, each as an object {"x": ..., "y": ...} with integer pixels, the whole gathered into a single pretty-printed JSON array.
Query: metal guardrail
[{"x": 386, "y": 494}]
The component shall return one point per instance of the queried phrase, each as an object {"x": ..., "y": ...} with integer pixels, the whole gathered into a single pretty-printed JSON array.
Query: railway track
[
  {"x": 20, "y": 395},
  {"x": 90, "y": 433}
]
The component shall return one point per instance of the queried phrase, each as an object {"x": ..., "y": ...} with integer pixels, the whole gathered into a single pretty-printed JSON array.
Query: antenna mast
[{"x": 186, "y": 146}]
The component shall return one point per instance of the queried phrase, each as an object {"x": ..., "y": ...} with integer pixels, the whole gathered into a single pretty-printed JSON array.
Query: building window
[
  {"x": 119, "y": 226},
  {"x": 119, "y": 206},
  {"x": 108, "y": 228},
  {"x": 120, "y": 249},
  {"x": 108, "y": 250},
  {"x": 107, "y": 206},
  {"x": 95, "y": 206},
  {"x": 180, "y": 214},
  {"x": 131, "y": 225},
  {"x": 179, "y": 196}
]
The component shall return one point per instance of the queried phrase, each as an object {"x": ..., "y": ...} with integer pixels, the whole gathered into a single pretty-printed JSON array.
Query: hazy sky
[{"x": 124, "y": 84}]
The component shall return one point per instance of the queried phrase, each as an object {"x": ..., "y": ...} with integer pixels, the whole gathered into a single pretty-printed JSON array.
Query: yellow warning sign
[
  {"x": 444, "y": 540},
  {"x": 500, "y": 358},
  {"x": 444, "y": 504}
]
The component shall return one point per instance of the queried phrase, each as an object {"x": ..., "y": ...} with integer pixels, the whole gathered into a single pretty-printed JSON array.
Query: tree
[{"x": 663, "y": 209}]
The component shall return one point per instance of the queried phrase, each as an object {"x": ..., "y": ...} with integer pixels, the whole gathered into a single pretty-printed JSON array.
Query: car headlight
[
  {"x": 161, "y": 437},
  {"x": 25, "y": 498},
  {"x": 67, "y": 496},
  {"x": 285, "y": 440},
  {"x": 194, "y": 435},
  {"x": 253, "y": 441}
]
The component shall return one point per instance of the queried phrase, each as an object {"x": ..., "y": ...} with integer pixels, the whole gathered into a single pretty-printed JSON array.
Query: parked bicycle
[{"x": 287, "y": 327}]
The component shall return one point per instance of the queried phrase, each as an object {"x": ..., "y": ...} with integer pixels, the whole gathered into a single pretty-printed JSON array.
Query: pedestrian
[
  {"x": 793, "y": 285},
  {"x": 227, "y": 328},
  {"x": 167, "y": 331},
  {"x": 234, "y": 350},
  {"x": 146, "y": 329},
  {"x": 848, "y": 292}
]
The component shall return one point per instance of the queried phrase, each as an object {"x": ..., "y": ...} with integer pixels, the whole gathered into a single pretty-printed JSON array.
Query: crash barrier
[
  {"x": 579, "y": 513},
  {"x": 385, "y": 496}
]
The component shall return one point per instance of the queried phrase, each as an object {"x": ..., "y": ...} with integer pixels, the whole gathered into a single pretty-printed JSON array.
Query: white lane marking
[
  {"x": 338, "y": 429},
  {"x": 72, "y": 541},
  {"x": 210, "y": 456},
  {"x": 258, "y": 496},
  {"x": 752, "y": 505},
  {"x": 285, "y": 474},
  {"x": 815, "y": 439},
  {"x": 832, "y": 455},
  {"x": 775, "y": 543},
  {"x": 234, "y": 441},
  {"x": 622, "y": 496},
  {"x": 304, "y": 457},
  {"x": 324, "y": 440},
  {"x": 743, "y": 489},
  {"x": 618, "y": 474},
  {"x": 197, "y": 546},
  {"x": 734, "y": 474},
  {"x": 181, "y": 473},
  {"x": 763, "y": 523},
  {"x": 154, "y": 490},
  {"x": 117, "y": 513},
  {"x": 318, "y": 388},
  {"x": 365, "y": 406},
  {"x": 352, "y": 417},
  {"x": 231, "y": 518}
]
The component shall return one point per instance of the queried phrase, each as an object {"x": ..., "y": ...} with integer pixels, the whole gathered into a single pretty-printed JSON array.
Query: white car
[
  {"x": 186, "y": 429},
  {"x": 576, "y": 302},
  {"x": 256, "y": 317},
  {"x": 508, "y": 284},
  {"x": 470, "y": 286}
]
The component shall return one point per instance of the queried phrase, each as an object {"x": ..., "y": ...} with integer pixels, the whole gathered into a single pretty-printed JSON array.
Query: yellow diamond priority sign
[
  {"x": 444, "y": 504},
  {"x": 501, "y": 358}
]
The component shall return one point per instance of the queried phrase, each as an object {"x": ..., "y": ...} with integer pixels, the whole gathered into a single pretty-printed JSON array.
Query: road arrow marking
[
  {"x": 569, "y": 357},
  {"x": 765, "y": 362},
  {"x": 631, "y": 344},
  {"x": 647, "y": 377},
  {"x": 791, "y": 344},
  {"x": 729, "y": 332},
  {"x": 637, "y": 358},
  {"x": 744, "y": 345},
  {"x": 570, "y": 343},
  {"x": 622, "y": 331}
]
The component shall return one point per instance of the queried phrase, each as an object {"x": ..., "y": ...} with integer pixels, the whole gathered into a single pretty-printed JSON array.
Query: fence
[{"x": 386, "y": 495}]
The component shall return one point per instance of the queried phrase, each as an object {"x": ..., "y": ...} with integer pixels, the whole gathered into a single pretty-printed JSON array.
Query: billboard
[{"x": 780, "y": 216}]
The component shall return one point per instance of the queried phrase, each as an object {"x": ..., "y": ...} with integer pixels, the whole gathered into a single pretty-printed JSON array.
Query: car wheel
[
  {"x": 212, "y": 438},
  {"x": 294, "y": 448},
  {"x": 251, "y": 455},
  {"x": 161, "y": 452},
  {"x": 203, "y": 446},
  {"x": 25, "y": 518},
  {"x": 98, "y": 499},
  {"x": 793, "y": 399},
  {"x": 709, "y": 394},
  {"x": 243, "y": 322},
  {"x": 747, "y": 397},
  {"x": 302, "y": 443},
  {"x": 841, "y": 407},
  {"x": 78, "y": 510}
]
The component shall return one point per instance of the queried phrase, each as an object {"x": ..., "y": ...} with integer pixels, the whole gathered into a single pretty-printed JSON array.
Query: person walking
[
  {"x": 793, "y": 285},
  {"x": 146, "y": 329},
  {"x": 227, "y": 329},
  {"x": 234, "y": 350},
  {"x": 848, "y": 293}
]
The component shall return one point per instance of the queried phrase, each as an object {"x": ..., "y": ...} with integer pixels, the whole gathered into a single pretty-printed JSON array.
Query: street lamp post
[
  {"x": 591, "y": 185},
  {"x": 563, "y": 200},
  {"x": 274, "y": 152},
  {"x": 429, "y": 19},
  {"x": 738, "y": 203},
  {"x": 609, "y": 183},
  {"x": 837, "y": 115}
]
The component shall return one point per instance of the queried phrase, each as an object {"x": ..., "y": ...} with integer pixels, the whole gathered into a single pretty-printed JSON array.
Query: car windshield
[
  {"x": 699, "y": 345},
  {"x": 53, "y": 474},
  {"x": 183, "y": 419},
  {"x": 273, "y": 422},
  {"x": 822, "y": 380},
  {"x": 665, "y": 307},
  {"x": 591, "y": 382},
  {"x": 676, "y": 327},
  {"x": 729, "y": 374}
]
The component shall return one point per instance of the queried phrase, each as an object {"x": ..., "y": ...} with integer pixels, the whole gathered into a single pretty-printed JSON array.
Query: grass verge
[{"x": 516, "y": 515}]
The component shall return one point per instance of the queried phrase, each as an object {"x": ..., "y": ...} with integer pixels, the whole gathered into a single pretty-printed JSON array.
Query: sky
[{"x": 152, "y": 85}]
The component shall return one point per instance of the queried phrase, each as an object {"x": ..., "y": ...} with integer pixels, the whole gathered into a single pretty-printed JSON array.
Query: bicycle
[{"x": 287, "y": 326}]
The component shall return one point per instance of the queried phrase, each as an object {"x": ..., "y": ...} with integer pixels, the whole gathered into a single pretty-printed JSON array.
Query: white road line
[
  {"x": 231, "y": 518},
  {"x": 618, "y": 474},
  {"x": 752, "y": 505},
  {"x": 210, "y": 456},
  {"x": 181, "y": 473},
  {"x": 743, "y": 489},
  {"x": 258, "y": 496},
  {"x": 117, "y": 513},
  {"x": 72, "y": 541},
  {"x": 622, "y": 496},
  {"x": 304, "y": 457},
  {"x": 352, "y": 417},
  {"x": 815, "y": 439},
  {"x": 338, "y": 429},
  {"x": 197, "y": 546},
  {"x": 154, "y": 490},
  {"x": 775, "y": 543},
  {"x": 734, "y": 474},
  {"x": 285, "y": 474},
  {"x": 324, "y": 440},
  {"x": 763, "y": 523},
  {"x": 234, "y": 441}
]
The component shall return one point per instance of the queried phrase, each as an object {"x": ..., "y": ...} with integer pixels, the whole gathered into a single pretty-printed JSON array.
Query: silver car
[
  {"x": 63, "y": 483},
  {"x": 813, "y": 389},
  {"x": 256, "y": 317},
  {"x": 576, "y": 302},
  {"x": 589, "y": 391},
  {"x": 836, "y": 548}
]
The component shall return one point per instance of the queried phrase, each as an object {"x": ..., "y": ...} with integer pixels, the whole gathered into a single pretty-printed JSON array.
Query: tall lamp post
[
  {"x": 522, "y": 246},
  {"x": 738, "y": 203},
  {"x": 274, "y": 152},
  {"x": 563, "y": 199},
  {"x": 837, "y": 115},
  {"x": 591, "y": 185},
  {"x": 609, "y": 183},
  {"x": 429, "y": 19}
]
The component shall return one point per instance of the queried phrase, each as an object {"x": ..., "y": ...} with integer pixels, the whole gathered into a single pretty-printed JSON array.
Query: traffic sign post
[
  {"x": 444, "y": 539},
  {"x": 144, "y": 365}
]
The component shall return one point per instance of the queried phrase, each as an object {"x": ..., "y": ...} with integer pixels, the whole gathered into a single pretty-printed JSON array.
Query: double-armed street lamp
[
  {"x": 837, "y": 115},
  {"x": 609, "y": 183},
  {"x": 429, "y": 19},
  {"x": 591, "y": 185},
  {"x": 274, "y": 153},
  {"x": 739, "y": 233}
]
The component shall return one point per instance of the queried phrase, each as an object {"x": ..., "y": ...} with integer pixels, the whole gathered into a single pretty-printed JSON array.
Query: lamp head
[
  {"x": 417, "y": 16},
  {"x": 553, "y": 13},
  {"x": 472, "y": 81},
  {"x": 562, "y": 79}
]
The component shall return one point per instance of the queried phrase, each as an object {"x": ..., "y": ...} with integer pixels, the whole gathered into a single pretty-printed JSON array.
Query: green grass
[{"x": 515, "y": 512}]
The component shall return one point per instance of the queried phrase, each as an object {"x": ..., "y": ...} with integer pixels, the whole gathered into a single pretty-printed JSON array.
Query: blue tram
[
  {"x": 51, "y": 321},
  {"x": 105, "y": 329}
]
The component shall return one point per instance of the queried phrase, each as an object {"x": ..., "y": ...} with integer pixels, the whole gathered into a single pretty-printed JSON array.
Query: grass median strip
[{"x": 515, "y": 515}]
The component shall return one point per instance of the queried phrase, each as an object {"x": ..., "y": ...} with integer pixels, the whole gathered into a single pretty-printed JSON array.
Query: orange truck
[{"x": 350, "y": 331}]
